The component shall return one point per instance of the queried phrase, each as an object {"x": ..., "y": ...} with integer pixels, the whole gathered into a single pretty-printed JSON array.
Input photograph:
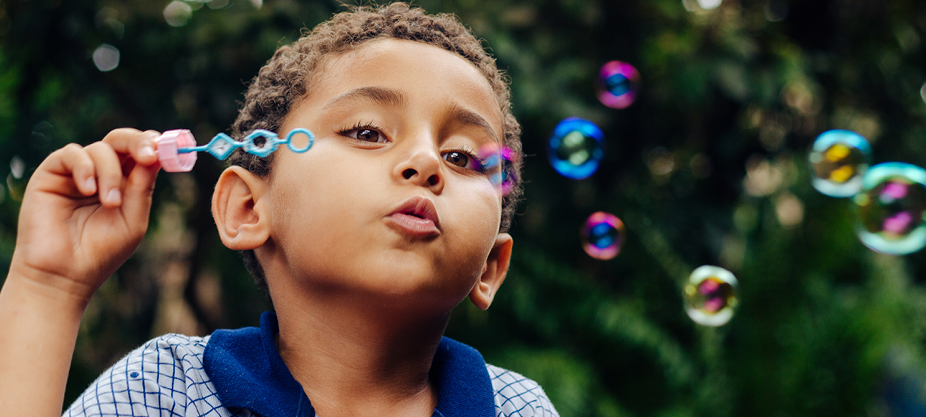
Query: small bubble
[
  {"x": 617, "y": 84},
  {"x": 497, "y": 162},
  {"x": 892, "y": 208},
  {"x": 710, "y": 296},
  {"x": 923, "y": 92},
  {"x": 838, "y": 160},
  {"x": 177, "y": 13},
  {"x": 603, "y": 236},
  {"x": 576, "y": 148},
  {"x": 106, "y": 57}
]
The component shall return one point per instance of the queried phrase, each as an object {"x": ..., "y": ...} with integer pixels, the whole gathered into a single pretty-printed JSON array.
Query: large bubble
[
  {"x": 603, "y": 236},
  {"x": 891, "y": 208},
  {"x": 710, "y": 295},
  {"x": 576, "y": 148},
  {"x": 617, "y": 84},
  {"x": 839, "y": 159}
]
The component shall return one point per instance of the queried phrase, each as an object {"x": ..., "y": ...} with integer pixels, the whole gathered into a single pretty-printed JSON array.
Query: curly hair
[{"x": 287, "y": 77}]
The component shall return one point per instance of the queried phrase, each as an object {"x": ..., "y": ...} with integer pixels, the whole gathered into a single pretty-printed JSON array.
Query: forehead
[{"x": 431, "y": 76}]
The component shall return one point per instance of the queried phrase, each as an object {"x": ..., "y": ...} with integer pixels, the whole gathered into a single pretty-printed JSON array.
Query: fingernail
[
  {"x": 113, "y": 196},
  {"x": 146, "y": 152},
  {"x": 90, "y": 184}
]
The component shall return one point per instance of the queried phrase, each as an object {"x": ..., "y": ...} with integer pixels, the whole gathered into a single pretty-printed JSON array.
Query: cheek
[
  {"x": 478, "y": 222},
  {"x": 310, "y": 201}
]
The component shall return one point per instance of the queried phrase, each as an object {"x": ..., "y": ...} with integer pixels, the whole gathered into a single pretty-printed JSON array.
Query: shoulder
[
  {"x": 516, "y": 395},
  {"x": 163, "y": 377}
]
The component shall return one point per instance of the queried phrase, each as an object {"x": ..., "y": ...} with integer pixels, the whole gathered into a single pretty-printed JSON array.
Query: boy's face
[{"x": 389, "y": 202}]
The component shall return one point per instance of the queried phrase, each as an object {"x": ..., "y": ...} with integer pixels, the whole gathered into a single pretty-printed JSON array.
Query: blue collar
[{"x": 248, "y": 372}]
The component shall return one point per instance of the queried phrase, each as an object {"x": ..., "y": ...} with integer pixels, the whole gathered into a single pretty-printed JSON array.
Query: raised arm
[{"x": 84, "y": 212}]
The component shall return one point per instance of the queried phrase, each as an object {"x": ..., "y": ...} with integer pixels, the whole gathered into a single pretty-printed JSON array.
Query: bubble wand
[{"x": 177, "y": 149}]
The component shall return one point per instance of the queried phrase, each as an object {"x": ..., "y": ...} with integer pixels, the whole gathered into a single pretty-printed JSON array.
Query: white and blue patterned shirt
[{"x": 240, "y": 373}]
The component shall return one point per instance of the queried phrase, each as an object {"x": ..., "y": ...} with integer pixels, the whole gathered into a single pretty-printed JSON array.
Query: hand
[{"x": 84, "y": 212}]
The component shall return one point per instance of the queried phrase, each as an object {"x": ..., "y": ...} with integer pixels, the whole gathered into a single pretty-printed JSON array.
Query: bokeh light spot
[
  {"x": 709, "y": 4},
  {"x": 892, "y": 208},
  {"x": 106, "y": 57},
  {"x": 710, "y": 295},
  {"x": 576, "y": 148},
  {"x": 617, "y": 84},
  {"x": 603, "y": 236},
  {"x": 838, "y": 160},
  {"x": 177, "y": 13}
]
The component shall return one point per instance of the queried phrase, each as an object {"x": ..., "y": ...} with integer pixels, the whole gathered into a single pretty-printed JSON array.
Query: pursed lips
[{"x": 416, "y": 216}]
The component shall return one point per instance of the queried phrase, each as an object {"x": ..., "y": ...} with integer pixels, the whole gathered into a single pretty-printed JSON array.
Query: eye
[
  {"x": 368, "y": 135},
  {"x": 364, "y": 133},
  {"x": 463, "y": 159}
]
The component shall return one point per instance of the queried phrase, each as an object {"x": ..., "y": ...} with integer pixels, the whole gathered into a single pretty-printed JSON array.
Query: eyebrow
[
  {"x": 385, "y": 96},
  {"x": 471, "y": 118},
  {"x": 376, "y": 95}
]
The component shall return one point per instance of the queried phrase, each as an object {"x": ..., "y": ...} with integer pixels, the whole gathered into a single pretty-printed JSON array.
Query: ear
[
  {"x": 240, "y": 214},
  {"x": 494, "y": 272}
]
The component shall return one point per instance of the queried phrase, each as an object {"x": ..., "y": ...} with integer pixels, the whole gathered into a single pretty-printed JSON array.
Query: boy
[{"x": 365, "y": 243}]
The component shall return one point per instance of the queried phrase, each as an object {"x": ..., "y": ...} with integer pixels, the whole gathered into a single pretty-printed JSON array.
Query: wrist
[{"x": 47, "y": 287}]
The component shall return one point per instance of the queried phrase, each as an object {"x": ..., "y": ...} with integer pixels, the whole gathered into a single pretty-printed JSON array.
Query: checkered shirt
[{"x": 166, "y": 377}]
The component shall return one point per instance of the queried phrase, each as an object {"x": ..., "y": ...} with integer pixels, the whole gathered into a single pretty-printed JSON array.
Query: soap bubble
[
  {"x": 710, "y": 296},
  {"x": 839, "y": 159},
  {"x": 603, "y": 235},
  {"x": 892, "y": 208},
  {"x": 496, "y": 161},
  {"x": 617, "y": 84},
  {"x": 576, "y": 148}
]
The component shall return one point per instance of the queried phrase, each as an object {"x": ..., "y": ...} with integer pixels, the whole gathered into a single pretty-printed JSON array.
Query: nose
[{"x": 422, "y": 167}]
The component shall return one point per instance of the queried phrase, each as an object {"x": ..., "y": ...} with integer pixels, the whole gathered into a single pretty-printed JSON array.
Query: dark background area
[{"x": 708, "y": 166}]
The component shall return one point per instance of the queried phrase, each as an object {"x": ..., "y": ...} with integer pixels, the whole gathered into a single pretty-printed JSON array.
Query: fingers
[
  {"x": 72, "y": 160},
  {"x": 98, "y": 167},
  {"x": 108, "y": 173},
  {"x": 137, "y": 144}
]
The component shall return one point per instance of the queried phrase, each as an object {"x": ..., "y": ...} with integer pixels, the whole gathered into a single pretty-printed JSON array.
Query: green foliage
[{"x": 706, "y": 167}]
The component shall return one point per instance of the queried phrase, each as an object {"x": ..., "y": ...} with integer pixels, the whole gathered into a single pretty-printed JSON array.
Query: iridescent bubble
[
  {"x": 497, "y": 161},
  {"x": 576, "y": 148},
  {"x": 617, "y": 84},
  {"x": 838, "y": 160},
  {"x": 710, "y": 295},
  {"x": 603, "y": 235},
  {"x": 892, "y": 208}
]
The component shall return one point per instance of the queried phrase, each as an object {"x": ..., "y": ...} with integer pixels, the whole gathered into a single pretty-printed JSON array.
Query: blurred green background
[{"x": 706, "y": 167}]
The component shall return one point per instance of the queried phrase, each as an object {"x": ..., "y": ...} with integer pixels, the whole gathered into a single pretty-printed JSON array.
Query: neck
[{"x": 358, "y": 358}]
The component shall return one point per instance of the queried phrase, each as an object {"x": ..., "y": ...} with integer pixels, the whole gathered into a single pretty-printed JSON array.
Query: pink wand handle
[{"x": 171, "y": 159}]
